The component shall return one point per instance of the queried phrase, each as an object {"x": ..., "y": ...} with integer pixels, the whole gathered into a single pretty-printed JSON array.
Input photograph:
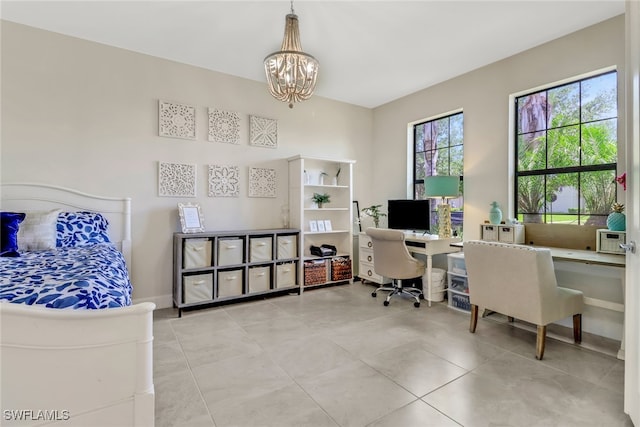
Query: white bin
[
  {"x": 260, "y": 249},
  {"x": 197, "y": 288},
  {"x": 230, "y": 251},
  {"x": 259, "y": 279},
  {"x": 197, "y": 253},
  {"x": 438, "y": 284},
  {"x": 230, "y": 283},
  {"x": 286, "y": 247}
]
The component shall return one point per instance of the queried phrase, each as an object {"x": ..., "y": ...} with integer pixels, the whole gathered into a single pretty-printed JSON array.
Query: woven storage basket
[
  {"x": 340, "y": 269},
  {"x": 315, "y": 272}
]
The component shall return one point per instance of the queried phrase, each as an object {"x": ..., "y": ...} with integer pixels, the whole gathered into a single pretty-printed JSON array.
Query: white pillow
[{"x": 38, "y": 231}]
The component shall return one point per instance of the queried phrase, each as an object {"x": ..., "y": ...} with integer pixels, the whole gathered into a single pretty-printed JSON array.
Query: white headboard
[{"x": 22, "y": 197}]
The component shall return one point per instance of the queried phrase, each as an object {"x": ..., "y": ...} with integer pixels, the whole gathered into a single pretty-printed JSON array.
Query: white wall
[
  {"x": 85, "y": 115},
  {"x": 483, "y": 95}
]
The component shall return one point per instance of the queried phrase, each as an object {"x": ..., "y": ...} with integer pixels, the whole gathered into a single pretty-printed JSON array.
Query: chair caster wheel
[
  {"x": 416, "y": 304},
  {"x": 386, "y": 303},
  {"x": 373, "y": 294}
]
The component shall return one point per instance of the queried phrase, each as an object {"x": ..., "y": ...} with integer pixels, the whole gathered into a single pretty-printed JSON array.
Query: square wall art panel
[
  {"x": 176, "y": 120},
  {"x": 224, "y": 181},
  {"x": 176, "y": 180},
  {"x": 262, "y": 182},
  {"x": 224, "y": 126},
  {"x": 263, "y": 132}
]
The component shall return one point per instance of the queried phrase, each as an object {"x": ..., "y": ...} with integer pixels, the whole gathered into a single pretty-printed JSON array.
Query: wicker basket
[
  {"x": 315, "y": 272},
  {"x": 341, "y": 269}
]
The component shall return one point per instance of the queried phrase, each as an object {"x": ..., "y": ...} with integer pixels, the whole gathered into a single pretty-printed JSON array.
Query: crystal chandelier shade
[{"x": 291, "y": 73}]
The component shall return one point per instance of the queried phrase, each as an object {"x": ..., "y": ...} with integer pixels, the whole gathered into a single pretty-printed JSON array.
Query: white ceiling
[{"x": 370, "y": 52}]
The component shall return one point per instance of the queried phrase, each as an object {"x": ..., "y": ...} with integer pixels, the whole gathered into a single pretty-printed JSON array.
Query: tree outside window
[
  {"x": 566, "y": 153},
  {"x": 439, "y": 150}
]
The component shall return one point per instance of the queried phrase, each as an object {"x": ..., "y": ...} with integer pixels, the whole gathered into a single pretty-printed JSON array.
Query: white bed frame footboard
[{"x": 76, "y": 367}]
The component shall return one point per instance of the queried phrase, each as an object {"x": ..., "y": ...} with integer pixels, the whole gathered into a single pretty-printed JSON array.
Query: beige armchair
[
  {"x": 391, "y": 258},
  {"x": 519, "y": 282}
]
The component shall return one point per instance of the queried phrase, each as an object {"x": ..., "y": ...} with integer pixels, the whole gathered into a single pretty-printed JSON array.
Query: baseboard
[{"x": 162, "y": 301}]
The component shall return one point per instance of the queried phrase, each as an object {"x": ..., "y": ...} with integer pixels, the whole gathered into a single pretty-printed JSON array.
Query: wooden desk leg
[{"x": 429, "y": 279}]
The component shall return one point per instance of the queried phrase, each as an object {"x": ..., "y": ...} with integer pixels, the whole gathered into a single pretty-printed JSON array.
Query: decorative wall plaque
[
  {"x": 262, "y": 182},
  {"x": 263, "y": 132},
  {"x": 176, "y": 120},
  {"x": 176, "y": 180},
  {"x": 224, "y": 181},
  {"x": 224, "y": 126}
]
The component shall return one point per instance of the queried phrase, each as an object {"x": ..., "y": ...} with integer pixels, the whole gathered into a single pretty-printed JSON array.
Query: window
[
  {"x": 566, "y": 152},
  {"x": 438, "y": 150}
]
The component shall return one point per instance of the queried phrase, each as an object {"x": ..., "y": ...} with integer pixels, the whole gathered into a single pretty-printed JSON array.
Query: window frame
[
  {"x": 545, "y": 172},
  {"x": 415, "y": 182}
]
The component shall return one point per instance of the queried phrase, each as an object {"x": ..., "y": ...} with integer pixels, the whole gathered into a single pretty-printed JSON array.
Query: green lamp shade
[{"x": 441, "y": 186}]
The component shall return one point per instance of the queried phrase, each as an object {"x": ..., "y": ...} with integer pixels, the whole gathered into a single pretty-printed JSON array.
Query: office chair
[
  {"x": 519, "y": 282},
  {"x": 392, "y": 259}
]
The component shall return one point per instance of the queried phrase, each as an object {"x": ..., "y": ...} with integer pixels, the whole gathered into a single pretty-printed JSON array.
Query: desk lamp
[{"x": 443, "y": 187}]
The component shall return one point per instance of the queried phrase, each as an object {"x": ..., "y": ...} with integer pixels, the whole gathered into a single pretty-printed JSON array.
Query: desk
[
  {"x": 594, "y": 273},
  {"x": 568, "y": 275},
  {"x": 429, "y": 245}
]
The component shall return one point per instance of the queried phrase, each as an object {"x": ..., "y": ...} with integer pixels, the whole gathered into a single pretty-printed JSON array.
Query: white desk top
[
  {"x": 425, "y": 237},
  {"x": 577, "y": 255},
  {"x": 588, "y": 257},
  {"x": 429, "y": 244}
]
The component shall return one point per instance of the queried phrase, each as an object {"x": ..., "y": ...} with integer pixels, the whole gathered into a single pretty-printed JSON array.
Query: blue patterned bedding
[{"x": 86, "y": 277}]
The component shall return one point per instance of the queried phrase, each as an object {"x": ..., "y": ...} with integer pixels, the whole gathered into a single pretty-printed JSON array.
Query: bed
[{"x": 74, "y": 349}]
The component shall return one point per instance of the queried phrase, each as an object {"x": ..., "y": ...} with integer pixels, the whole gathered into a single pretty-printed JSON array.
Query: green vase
[
  {"x": 617, "y": 221},
  {"x": 495, "y": 214}
]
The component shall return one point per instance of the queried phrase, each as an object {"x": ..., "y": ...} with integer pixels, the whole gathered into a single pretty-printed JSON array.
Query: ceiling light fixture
[{"x": 291, "y": 73}]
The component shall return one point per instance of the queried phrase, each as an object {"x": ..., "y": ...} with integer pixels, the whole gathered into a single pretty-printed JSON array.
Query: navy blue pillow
[{"x": 9, "y": 232}]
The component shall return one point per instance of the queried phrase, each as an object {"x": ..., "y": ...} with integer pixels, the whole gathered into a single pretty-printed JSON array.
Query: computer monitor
[{"x": 411, "y": 215}]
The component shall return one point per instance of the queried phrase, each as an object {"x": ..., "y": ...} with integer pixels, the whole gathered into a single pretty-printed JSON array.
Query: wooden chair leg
[
  {"x": 540, "y": 339},
  {"x": 577, "y": 328},
  {"x": 473, "y": 322}
]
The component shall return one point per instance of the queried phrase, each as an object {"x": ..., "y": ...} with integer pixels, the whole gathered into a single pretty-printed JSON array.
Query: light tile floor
[{"x": 338, "y": 357}]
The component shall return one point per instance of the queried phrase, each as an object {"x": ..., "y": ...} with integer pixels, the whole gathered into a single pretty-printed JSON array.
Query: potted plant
[
  {"x": 320, "y": 198},
  {"x": 374, "y": 212}
]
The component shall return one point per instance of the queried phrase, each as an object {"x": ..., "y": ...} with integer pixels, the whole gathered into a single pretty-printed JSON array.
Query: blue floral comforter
[{"x": 87, "y": 277}]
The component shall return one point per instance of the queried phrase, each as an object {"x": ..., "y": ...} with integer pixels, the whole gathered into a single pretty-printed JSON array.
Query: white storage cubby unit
[
  {"x": 221, "y": 266},
  {"x": 608, "y": 241},
  {"x": 505, "y": 233},
  {"x": 457, "y": 283},
  {"x": 333, "y": 222},
  {"x": 365, "y": 257}
]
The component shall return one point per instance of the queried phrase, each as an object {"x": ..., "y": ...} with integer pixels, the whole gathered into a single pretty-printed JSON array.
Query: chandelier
[{"x": 291, "y": 73}]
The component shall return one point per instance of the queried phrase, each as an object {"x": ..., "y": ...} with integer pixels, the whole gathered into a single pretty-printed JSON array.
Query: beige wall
[
  {"x": 84, "y": 115},
  {"x": 483, "y": 95}
]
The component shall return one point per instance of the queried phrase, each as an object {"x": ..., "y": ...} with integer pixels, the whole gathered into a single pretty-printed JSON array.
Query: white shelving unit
[
  {"x": 457, "y": 283},
  {"x": 309, "y": 175},
  {"x": 504, "y": 233}
]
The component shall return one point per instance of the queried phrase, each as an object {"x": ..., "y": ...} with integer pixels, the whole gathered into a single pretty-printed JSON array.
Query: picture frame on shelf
[
  {"x": 327, "y": 225},
  {"x": 313, "y": 226},
  {"x": 355, "y": 220},
  {"x": 191, "y": 218},
  {"x": 321, "y": 225}
]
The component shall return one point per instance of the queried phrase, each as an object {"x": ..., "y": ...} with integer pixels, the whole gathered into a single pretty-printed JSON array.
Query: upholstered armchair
[
  {"x": 519, "y": 281},
  {"x": 392, "y": 259}
]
